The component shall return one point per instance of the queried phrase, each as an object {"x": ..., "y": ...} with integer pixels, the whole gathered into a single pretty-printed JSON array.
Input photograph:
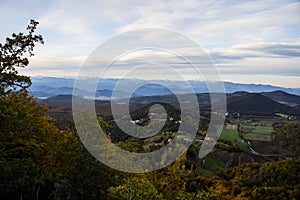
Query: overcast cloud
[{"x": 258, "y": 38}]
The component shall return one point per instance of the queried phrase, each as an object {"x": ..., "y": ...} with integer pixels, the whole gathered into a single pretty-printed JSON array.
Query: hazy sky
[{"x": 249, "y": 41}]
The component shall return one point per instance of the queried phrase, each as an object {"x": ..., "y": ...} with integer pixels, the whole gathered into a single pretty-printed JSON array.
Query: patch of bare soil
[{"x": 269, "y": 148}]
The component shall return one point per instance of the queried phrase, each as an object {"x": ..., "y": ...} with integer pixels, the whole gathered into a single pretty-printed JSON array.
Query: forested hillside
[{"x": 288, "y": 137}]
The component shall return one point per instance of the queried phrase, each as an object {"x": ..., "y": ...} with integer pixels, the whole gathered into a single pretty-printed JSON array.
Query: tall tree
[
  {"x": 14, "y": 54},
  {"x": 28, "y": 143}
]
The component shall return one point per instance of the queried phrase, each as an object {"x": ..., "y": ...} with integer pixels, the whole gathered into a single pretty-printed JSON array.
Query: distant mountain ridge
[
  {"x": 44, "y": 87},
  {"x": 242, "y": 102}
]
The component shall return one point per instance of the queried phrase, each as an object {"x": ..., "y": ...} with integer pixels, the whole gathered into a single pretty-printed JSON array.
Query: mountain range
[
  {"x": 45, "y": 87},
  {"x": 259, "y": 104}
]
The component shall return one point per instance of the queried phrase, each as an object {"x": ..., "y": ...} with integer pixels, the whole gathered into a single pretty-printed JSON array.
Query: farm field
[
  {"x": 258, "y": 137},
  {"x": 264, "y": 129},
  {"x": 231, "y": 133},
  {"x": 247, "y": 128},
  {"x": 259, "y": 133}
]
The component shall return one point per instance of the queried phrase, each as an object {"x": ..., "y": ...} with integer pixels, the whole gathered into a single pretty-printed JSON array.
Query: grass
[
  {"x": 264, "y": 129},
  {"x": 257, "y": 136},
  {"x": 260, "y": 133},
  {"x": 232, "y": 134},
  {"x": 247, "y": 130},
  {"x": 248, "y": 126}
]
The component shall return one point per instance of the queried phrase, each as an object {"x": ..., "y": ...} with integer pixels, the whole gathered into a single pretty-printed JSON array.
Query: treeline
[{"x": 288, "y": 137}]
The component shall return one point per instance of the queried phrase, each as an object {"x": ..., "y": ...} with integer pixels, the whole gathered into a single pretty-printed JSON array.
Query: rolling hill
[
  {"x": 257, "y": 104},
  {"x": 283, "y": 97},
  {"x": 242, "y": 102}
]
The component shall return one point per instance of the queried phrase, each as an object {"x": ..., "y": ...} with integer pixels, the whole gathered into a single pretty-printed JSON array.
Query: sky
[{"x": 249, "y": 41}]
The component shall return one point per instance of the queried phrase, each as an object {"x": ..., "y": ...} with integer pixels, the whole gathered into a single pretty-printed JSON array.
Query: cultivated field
[
  {"x": 231, "y": 133},
  {"x": 259, "y": 133}
]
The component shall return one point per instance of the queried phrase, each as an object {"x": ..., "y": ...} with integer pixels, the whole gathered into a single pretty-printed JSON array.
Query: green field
[
  {"x": 264, "y": 129},
  {"x": 231, "y": 133},
  {"x": 260, "y": 133},
  {"x": 247, "y": 128},
  {"x": 257, "y": 136}
]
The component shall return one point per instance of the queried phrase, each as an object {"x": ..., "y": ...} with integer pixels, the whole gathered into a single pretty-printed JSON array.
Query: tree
[
  {"x": 135, "y": 188},
  {"x": 89, "y": 179},
  {"x": 28, "y": 140},
  {"x": 33, "y": 152},
  {"x": 14, "y": 54},
  {"x": 288, "y": 137},
  {"x": 279, "y": 180}
]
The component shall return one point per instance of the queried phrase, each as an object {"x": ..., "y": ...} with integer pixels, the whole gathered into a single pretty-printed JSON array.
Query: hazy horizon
[{"x": 226, "y": 81}]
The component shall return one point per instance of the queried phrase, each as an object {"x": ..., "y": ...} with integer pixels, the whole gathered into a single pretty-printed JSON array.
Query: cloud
[
  {"x": 259, "y": 58},
  {"x": 263, "y": 65},
  {"x": 281, "y": 49},
  {"x": 215, "y": 23},
  {"x": 241, "y": 36},
  {"x": 260, "y": 49}
]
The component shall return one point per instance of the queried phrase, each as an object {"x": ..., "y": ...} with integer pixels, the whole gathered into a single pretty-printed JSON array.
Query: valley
[{"x": 249, "y": 132}]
